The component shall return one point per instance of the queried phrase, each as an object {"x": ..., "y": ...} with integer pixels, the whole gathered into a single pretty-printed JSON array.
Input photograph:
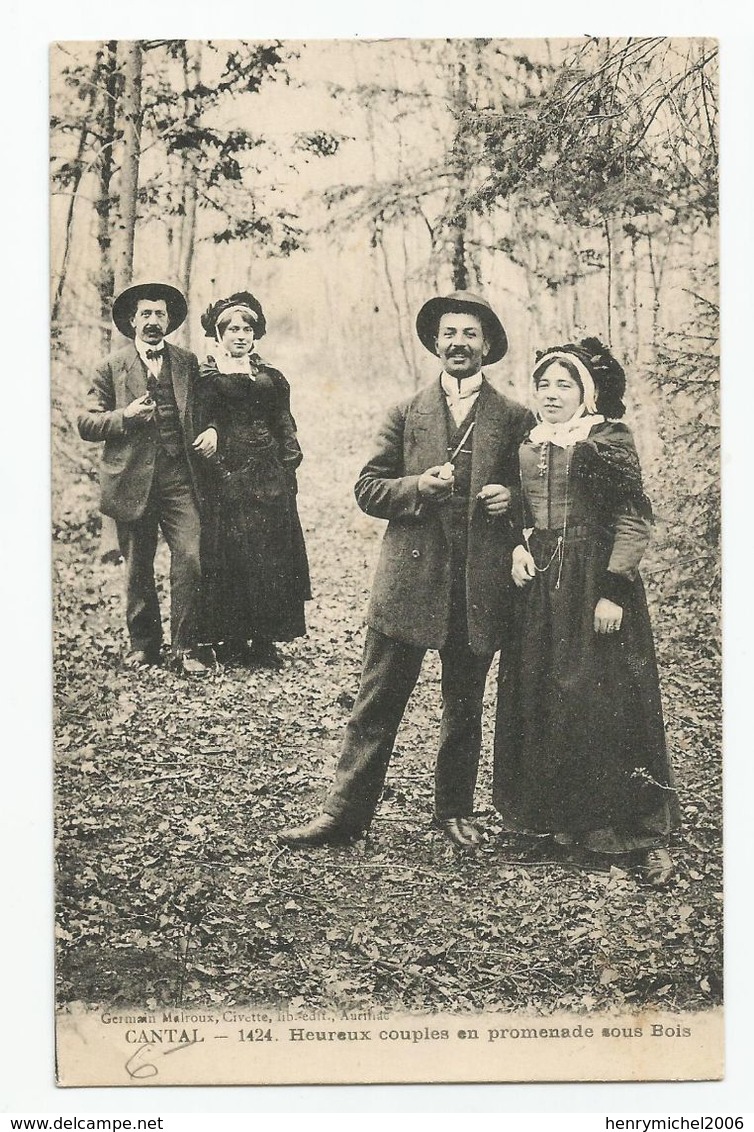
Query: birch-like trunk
[
  {"x": 104, "y": 205},
  {"x": 191, "y": 78},
  {"x": 130, "y": 126},
  {"x": 78, "y": 172},
  {"x": 459, "y": 162}
]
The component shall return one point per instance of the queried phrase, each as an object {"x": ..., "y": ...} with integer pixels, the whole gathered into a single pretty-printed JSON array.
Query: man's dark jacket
[
  {"x": 128, "y": 458},
  {"x": 411, "y": 593}
]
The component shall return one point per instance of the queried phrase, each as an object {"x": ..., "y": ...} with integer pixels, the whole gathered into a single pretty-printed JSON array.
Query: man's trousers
[
  {"x": 172, "y": 508},
  {"x": 389, "y": 673}
]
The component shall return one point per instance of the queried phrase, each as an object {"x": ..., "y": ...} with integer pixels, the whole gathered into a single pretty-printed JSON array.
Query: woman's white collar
[{"x": 566, "y": 433}]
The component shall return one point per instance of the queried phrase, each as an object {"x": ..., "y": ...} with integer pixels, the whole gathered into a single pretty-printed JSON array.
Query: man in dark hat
[
  {"x": 441, "y": 474},
  {"x": 142, "y": 403}
]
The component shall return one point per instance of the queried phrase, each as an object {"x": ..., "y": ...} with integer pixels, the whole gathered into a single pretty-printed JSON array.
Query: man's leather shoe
[
  {"x": 458, "y": 831},
  {"x": 142, "y": 658},
  {"x": 322, "y": 830},
  {"x": 470, "y": 831},
  {"x": 189, "y": 664}
]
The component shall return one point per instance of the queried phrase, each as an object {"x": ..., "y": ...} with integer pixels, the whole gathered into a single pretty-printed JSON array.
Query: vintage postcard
[{"x": 386, "y": 561}]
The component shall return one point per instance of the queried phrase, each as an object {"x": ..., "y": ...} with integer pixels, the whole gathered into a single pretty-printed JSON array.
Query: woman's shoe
[{"x": 658, "y": 867}]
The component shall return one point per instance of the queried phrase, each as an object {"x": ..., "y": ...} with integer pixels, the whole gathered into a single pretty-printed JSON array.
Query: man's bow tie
[{"x": 153, "y": 353}]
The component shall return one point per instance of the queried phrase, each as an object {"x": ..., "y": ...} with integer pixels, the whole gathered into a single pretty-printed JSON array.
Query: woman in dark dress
[
  {"x": 255, "y": 570},
  {"x": 580, "y": 741}
]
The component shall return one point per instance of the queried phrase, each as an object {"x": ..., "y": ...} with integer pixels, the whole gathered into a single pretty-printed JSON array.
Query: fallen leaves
[{"x": 171, "y": 887}]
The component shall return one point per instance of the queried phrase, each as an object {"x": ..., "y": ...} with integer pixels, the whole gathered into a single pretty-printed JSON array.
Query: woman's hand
[
  {"x": 206, "y": 443},
  {"x": 607, "y": 616},
  {"x": 523, "y": 570}
]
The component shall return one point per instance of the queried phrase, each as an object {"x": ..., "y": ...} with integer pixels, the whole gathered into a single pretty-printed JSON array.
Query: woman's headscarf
[
  {"x": 602, "y": 377},
  {"x": 240, "y": 299},
  {"x": 608, "y": 459},
  {"x": 243, "y": 302}
]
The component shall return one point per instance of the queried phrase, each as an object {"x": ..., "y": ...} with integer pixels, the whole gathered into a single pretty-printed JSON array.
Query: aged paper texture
[{"x": 334, "y": 187}]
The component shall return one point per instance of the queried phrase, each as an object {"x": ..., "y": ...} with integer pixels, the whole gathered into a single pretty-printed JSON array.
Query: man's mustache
[{"x": 459, "y": 352}]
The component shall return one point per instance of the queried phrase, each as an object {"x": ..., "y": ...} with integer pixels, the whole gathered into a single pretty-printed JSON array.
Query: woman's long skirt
[
  {"x": 580, "y": 741},
  {"x": 255, "y": 568}
]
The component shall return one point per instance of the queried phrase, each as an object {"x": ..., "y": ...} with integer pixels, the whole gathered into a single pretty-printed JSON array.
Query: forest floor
[{"x": 172, "y": 890}]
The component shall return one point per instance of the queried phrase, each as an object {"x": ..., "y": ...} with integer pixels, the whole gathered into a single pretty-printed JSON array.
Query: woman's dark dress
[
  {"x": 580, "y": 740},
  {"x": 254, "y": 563}
]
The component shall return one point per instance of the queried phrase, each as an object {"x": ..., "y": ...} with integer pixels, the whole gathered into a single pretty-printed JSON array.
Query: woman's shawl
[{"x": 607, "y": 461}]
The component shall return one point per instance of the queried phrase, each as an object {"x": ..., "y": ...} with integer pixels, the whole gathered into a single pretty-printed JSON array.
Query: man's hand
[
  {"x": 607, "y": 616},
  {"x": 206, "y": 443},
  {"x": 140, "y": 410},
  {"x": 432, "y": 485},
  {"x": 495, "y": 498},
  {"x": 523, "y": 570}
]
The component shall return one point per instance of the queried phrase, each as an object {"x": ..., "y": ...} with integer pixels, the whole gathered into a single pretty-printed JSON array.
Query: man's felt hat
[
  {"x": 125, "y": 305},
  {"x": 428, "y": 320}
]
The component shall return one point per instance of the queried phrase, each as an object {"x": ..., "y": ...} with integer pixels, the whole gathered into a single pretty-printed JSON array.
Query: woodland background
[{"x": 574, "y": 183}]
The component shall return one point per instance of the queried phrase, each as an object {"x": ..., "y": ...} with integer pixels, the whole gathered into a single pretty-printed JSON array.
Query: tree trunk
[
  {"x": 635, "y": 327},
  {"x": 459, "y": 162},
  {"x": 106, "y": 277},
  {"x": 609, "y": 296},
  {"x": 656, "y": 277},
  {"x": 78, "y": 172},
  {"x": 109, "y": 550},
  {"x": 130, "y": 126},
  {"x": 379, "y": 238},
  {"x": 191, "y": 78},
  {"x": 74, "y": 188},
  {"x": 616, "y": 291},
  {"x": 374, "y": 293}
]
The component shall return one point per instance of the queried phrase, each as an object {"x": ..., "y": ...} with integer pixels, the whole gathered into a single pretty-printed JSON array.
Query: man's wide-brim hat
[
  {"x": 125, "y": 305},
  {"x": 428, "y": 320}
]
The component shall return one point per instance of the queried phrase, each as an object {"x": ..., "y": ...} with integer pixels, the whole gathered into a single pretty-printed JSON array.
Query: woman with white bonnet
[{"x": 580, "y": 750}]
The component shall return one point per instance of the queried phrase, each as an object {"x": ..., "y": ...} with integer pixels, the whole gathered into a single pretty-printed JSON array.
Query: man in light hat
[
  {"x": 142, "y": 403},
  {"x": 441, "y": 474}
]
